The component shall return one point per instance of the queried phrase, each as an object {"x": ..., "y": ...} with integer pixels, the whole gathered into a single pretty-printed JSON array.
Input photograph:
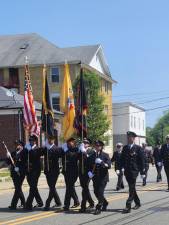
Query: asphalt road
[{"x": 154, "y": 210}]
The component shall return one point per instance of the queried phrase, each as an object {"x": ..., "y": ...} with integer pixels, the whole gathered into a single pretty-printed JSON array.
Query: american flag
[{"x": 30, "y": 119}]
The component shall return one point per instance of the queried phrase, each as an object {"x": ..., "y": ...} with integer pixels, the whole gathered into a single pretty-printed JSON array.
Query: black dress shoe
[
  {"x": 137, "y": 206},
  {"x": 75, "y": 206},
  {"x": 104, "y": 208},
  {"x": 58, "y": 205},
  {"x": 65, "y": 208},
  {"x": 91, "y": 206},
  {"x": 97, "y": 212},
  {"x": 82, "y": 210},
  {"x": 39, "y": 205},
  {"x": 126, "y": 210},
  {"x": 117, "y": 188}
]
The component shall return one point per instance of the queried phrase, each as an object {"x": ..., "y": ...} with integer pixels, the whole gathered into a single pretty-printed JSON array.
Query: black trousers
[
  {"x": 132, "y": 192},
  {"x": 166, "y": 168},
  {"x": 70, "y": 180},
  {"x": 18, "y": 194},
  {"x": 86, "y": 196},
  {"x": 120, "y": 183},
  {"x": 159, "y": 169},
  {"x": 51, "y": 180},
  {"x": 32, "y": 179},
  {"x": 146, "y": 173},
  {"x": 99, "y": 185}
]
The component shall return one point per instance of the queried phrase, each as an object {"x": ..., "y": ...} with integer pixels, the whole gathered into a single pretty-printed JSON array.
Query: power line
[
  {"x": 146, "y": 110},
  {"x": 141, "y": 103},
  {"x": 140, "y": 93}
]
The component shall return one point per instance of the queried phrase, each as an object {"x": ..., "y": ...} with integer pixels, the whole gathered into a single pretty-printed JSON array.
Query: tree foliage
[
  {"x": 97, "y": 122},
  {"x": 160, "y": 130}
]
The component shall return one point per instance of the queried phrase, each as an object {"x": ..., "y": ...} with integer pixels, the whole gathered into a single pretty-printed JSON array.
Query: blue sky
[{"x": 133, "y": 33}]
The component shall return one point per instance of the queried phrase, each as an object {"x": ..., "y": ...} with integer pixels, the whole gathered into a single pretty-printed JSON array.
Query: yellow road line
[{"x": 42, "y": 215}]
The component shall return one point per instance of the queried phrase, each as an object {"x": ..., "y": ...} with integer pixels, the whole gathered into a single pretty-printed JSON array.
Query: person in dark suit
[
  {"x": 116, "y": 159},
  {"x": 32, "y": 154},
  {"x": 132, "y": 161},
  {"x": 70, "y": 172},
  {"x": 148, "y": 158},
  {"x": 85, "y": 153},
  {"x": 158, "y": 160},
  {"x": 17, "y": 171},
  {"x": 51, "y": 170},
  {"x": 165, "y": 158},
  {"x": 99, "y": 165}
]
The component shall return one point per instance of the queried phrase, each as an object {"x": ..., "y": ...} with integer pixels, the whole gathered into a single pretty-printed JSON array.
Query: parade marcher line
[{"x": 42, "y": 215}]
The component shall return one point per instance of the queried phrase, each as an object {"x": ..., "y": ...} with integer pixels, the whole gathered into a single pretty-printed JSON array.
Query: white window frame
[
  {"x": 54, "y": 95},
  {"x": 51, "y": 74}
]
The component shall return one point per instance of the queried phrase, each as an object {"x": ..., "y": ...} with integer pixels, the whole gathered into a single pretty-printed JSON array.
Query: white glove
[
  {"x": 28, "y": 146},
  {"x": 82, "y": 148},
  {"x": 143, "y": 176},
  {"x": 98, "y": 161},
  {"x": 65, "y": 148},
  {"x": 118, "y": 172},
  {"x": 16, "y": 169},
  {"x": 159, "y": 163},
  {"x": 8, "y": 154},
  {"x": 90, "y": 175}
]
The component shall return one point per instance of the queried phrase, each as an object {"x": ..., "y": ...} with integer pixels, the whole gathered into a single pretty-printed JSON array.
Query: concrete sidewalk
[{"x": 8, "y": 184}]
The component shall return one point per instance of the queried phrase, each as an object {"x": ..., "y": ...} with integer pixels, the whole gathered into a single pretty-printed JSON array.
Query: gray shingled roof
[
  {"x": 84, "y": 53},
  {"x": 11, "y": 100},
  {"x": 39, "y": 51}
]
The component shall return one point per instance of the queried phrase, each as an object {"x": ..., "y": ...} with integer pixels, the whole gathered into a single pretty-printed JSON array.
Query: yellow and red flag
[{"x": 67, "y": 105}]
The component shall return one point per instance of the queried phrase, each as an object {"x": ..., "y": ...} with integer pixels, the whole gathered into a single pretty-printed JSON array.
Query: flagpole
[
  {"x": 45, "y": 74},
  {"x": 82, "y": 120},
  {"x": 27, "y": 79}
]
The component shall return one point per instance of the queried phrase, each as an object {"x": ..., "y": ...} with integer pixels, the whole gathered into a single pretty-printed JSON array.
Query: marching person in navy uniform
[
  {"x": 165, "y": 158},
  {"x": 158, "y": 160},
  {"x": 147, "y": 159},
  {"x": 51, "y": 170},
  {"x": 17, "y": 171},
  {"x": 132, "y": 161},
  {"x": 98, "y": 172},
  {"x": 33, "y": 170},
  {"x": 85, "y": 154},
  {"x": 70, "y": 172},
  {"x": 116, "y": 159}
]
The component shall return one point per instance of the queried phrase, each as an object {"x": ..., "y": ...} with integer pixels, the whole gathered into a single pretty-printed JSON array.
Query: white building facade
[{"x": 128, "y": 117}]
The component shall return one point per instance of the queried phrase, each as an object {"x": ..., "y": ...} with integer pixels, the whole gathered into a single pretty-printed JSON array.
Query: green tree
[
  {"x": 160, "y": 130},
  {"x": 97, "y": 121}
]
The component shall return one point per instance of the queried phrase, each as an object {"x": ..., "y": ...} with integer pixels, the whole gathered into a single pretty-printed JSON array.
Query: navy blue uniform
[
  {"x": 70, "y": 172},
  {"x": 101, "y": 177},
  {"x": 132, "y": 160},
  {"x": 33, "y": 171},
  {"x": 165, "y": 159},
  {"x": 83, "y": 177},
  {"x": 158, "y": 159},
  {"x": 17, "y": 177},
  {"x": 52, "y": 171},
  {"x": 116, "y": 159}
]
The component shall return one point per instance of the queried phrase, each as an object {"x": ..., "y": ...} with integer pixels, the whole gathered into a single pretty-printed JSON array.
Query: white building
[{"x": 128, "y": 117}]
